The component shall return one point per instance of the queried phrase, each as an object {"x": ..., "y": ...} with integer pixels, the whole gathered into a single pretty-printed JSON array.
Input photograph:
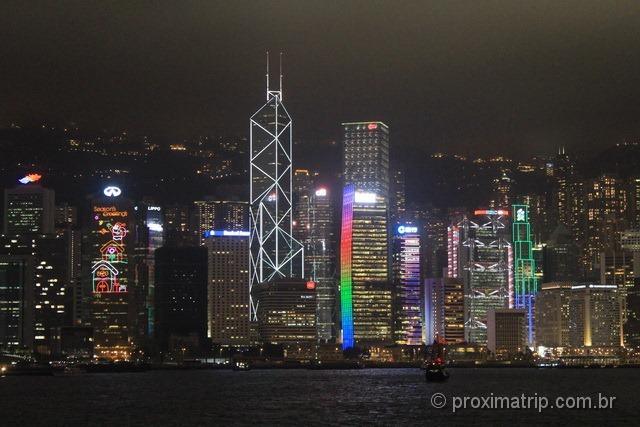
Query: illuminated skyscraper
[
  {"x": 220, "y": 215},
  {"x": 488, "y": 269},
  {"x": 228, "y": 293},
  {"x": 108, "y": 248},
  {"x": 274, "y": 253},
  {"x": 366, "y": 157},
  {"x": 407, "y": 284},
  {"x": 29, "y": 208},
  {"x": 526, "y": 283},
  {"x": 365, "y": 291}
]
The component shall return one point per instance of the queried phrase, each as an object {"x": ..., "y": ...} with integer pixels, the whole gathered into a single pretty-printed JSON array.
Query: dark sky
[{"x": 463, "y": 76}]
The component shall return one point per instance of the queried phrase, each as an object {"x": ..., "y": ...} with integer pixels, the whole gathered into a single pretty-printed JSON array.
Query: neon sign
[
  {"x": 227, "y": 233},
  {"x": 364, "y": 197},
  {"x": 372, "y": 126},
  {"x": 321, "y": 192},
  {"x": 402, "y": 229},
  {"x": 491, "y": 212},
  {"x": 112, "y": 191},
  {"x": 106, "y": 271},
  {"x": 32, "y": 177},
  {"x": 311, "y": 285}
]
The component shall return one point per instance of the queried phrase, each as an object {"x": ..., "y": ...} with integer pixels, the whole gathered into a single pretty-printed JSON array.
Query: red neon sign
[
  {"x": 311, "y": 285},
  {"x": 372, "y": 126}
]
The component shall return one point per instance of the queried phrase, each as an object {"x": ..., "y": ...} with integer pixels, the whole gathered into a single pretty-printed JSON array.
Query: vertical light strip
[{"x": 346, "y": 285}]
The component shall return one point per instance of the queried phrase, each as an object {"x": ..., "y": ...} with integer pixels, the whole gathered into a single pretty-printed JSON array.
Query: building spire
[
  {"x": 267, "y": 75},
  {"x": 281, "y": 90}
]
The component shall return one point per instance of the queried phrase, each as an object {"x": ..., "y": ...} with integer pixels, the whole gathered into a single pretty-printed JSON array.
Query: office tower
[
  {"x": 552, "y": 314},
  {"x": 487, "y": 258},
  {"x": 52, "y": 296},
  {"x": 149, "y": 236},
  {"x": 630, "y": 242},
  {"x": 406, "y": 285},
  {"x": 506, "y": 331},
  {"x": 287, "y": 311},
  {"x": 302, "y": 192},
  {"x": 397, "y": 197},
  {"x": 176, "y": 226},
  {"x": 567, "y": 200},
  {"x": 29, "y": 208},
  {"x": 526, "y": 283},
  {"x": 434, "y": 231},
  {"x": 561, "y": 256},
  {"x": 366, "y": 157},
  {"x": 17, "y": 274},
  {"x": 320, "y": 258},
  {"x": 603, "y": 217},
  {"x": 433, "y": 310},
  {"x": 228, "y": 293},
  {"x": 455, "y": 266},
  {"x": 453, "y": 310},
  {"x": 365, "y": 292},
  {"x": 633, "y": 198},
  {"x": 181, "y": 297},
  {"x": 274, "y": 252},
  {"x": 502, "y": 191},
  {"x": 66, "y": 216},
  {"x": 594, "y": 313},
  {"x": 220, "y": 215},
  {"x": 107, "y": 250}
]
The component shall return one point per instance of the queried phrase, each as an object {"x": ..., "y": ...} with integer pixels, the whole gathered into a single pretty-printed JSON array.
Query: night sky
[{"x": 461, "y": 76}]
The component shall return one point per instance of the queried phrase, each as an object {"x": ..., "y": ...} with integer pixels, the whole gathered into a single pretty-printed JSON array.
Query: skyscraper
[
  {"x": 365, "y": 291},
  {"x": 108, "y": 249},
  {"x": 526, "y": 283},
  {"x": 487, "y": 261},
  {"x": 366, "y": 157},
  {"x": 274, "y": 252},
  {"x": 16, "y": 302},
  {"x": 228, "y": 293},
  {"x": 407, "y": 280},
  {"x": 220, "y": 215},
  {"x": 29, "y": 208},
  {"x": 181, "y": 297}
]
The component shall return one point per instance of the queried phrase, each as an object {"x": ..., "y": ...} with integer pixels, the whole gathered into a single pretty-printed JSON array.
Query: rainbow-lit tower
[{"x": 274, "y": 252}]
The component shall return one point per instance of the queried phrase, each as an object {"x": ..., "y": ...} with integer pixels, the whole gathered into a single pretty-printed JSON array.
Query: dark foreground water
[{"x": 302, "y": 397}]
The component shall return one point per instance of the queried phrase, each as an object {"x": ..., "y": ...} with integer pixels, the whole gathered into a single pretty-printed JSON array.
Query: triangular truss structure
[{"x": 274, "y": 252}]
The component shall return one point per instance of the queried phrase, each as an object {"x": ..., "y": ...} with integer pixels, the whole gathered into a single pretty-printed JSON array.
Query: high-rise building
[
  {"x": 487, "y": 259},
  {"x": 287, "y": 311},
  {"x": 506, "y": 331},
  {"x": 366, "y": 157},
  {"x": 407, "y": 280},
  {"x": 526, "y": 282},
  {"x": 365, "y": 291},
  {"x": 273, "y": 250},
  {"x": 453, "y": 310},
  {"x": 433, "y": 309},
  {"x": 397, "y": 196},
  {"x": 320, "y": 258},
  {"x": 567, "y": 200},
  {"x": 52, "y": 292},
  {"x": 181, "y": 297},
  {"x": 603, "y": 218},
  {"x": 228, "y": 290},
  {"x": 107, "y": 250},
  {"x": 630, "y": 242},
  {"x": 594, "y": 313},
  {"x": 220, "y": 215},
  {"x": 177, "y": 230},
  {"x": 561, "y": 256},
  {"x": 16, "y": 302},
  {"x": 552, "y": 314},
  {"x": 29, "y": 208}
]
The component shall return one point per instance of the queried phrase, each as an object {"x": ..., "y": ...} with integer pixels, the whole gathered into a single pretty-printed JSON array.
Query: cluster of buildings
[{"x": 307, "y": 261}]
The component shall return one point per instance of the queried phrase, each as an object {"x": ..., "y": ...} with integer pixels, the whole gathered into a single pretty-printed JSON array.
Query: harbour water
[{"x": 306, "y": 397}]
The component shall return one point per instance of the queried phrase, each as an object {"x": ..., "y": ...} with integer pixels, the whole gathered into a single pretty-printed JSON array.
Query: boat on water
[{"x": 434, "y": 366}]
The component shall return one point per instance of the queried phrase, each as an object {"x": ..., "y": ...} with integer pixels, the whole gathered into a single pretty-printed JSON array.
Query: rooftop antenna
[
  {"x": 281, "y": 91},
  {"x": 267, "y": 75}
]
